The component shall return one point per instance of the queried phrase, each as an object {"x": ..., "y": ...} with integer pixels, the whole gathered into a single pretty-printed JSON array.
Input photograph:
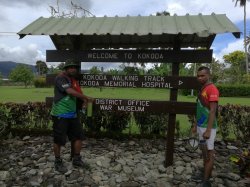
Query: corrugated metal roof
[{"x": 132, "y": 31}]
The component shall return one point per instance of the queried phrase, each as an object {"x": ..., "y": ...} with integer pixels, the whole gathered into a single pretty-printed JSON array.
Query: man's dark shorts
[{"x": 63, "y": 127}]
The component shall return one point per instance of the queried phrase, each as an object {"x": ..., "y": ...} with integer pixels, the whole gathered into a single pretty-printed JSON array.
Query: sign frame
[{"x": 163, "y": 56}]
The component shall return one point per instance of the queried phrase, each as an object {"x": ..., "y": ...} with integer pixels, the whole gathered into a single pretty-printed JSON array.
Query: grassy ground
[{"x": 23, "y": 95}]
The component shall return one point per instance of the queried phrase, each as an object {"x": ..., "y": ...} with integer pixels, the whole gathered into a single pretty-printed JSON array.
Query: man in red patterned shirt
[{"x": 206, "y": 119}]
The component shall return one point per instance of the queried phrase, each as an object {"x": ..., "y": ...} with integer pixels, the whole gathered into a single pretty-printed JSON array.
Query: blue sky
[{"x": 16, "y": 14}]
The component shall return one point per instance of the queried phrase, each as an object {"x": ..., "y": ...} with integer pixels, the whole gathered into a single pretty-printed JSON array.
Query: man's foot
[
  {"x": 78, "y": 163},
  {"x": 59, "y": 166},
  {"x": 205, "y": 184},
  {"x": 197, "y": 177}
]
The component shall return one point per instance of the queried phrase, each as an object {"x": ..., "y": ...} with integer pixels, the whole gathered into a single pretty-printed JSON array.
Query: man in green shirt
[{"x": 64, "y": 115}]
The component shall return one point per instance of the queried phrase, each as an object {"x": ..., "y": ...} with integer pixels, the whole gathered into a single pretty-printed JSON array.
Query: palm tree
[
  {"x": 248, "y": 43},
  {"x": 243, "y": 3}
]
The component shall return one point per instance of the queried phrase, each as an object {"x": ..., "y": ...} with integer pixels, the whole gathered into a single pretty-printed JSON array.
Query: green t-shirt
[{"x": 64, "y": 105}]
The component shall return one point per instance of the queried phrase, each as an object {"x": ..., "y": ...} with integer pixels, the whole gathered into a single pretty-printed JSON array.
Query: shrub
[
  {"x": 226, "y": 90},
  {"x": 234, "y": 90},
  {"x": 29, "y": 115},
  {"x": 149, "y": 123},
  {"x": 234, "y": 119},
  {"x": 40, "y": 82},
  {"x": 108, "y": 121}
]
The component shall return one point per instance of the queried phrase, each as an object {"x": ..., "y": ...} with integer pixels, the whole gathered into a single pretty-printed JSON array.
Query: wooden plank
[
  {"x": 134, "y": 81},
  {"x": 169, "y": 155},
  {"x": 164, "y": 56},
  {"x": 132, "y": 105},
  {"x": 50, "y": 79}
]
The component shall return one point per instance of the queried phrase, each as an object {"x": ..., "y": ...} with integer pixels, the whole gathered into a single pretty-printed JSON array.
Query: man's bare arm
[
  {"x": 81, "y": 96},
  {"x": 211, "y": 118}
]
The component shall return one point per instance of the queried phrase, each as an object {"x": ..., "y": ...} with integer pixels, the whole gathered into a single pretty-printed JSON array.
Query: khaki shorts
[{"x": 210, "y": 141}]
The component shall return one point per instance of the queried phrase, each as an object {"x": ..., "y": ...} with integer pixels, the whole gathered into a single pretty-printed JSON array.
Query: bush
[
  {"x": 149, "y": 123},
  {"x": 116, "y": 121},
  {"x": 29, "y": 115},
  {"x": 234, "y": 90},
  {"x": 108, "y": 121},
  {"x": 226, "y": 90},
  {"x": 234, "y": 119},
  {"x": 40, "y": 82}
]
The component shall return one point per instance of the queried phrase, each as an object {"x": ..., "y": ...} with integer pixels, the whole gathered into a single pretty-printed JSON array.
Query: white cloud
[
  {"x": 16, "y": 14},
  {"x": 233, "y": 46},
  {"x": 195, "y": 7},
  {"x": 28, "y": 54}
]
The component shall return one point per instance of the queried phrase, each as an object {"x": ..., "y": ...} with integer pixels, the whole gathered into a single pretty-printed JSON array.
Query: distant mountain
[{"x": 7, "y": 66}]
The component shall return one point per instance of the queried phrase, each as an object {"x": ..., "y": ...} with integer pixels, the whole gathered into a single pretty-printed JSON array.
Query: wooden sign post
[{"x": 173, "y": 82}]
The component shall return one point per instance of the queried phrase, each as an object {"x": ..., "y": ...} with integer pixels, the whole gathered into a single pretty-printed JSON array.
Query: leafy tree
[
  {"x": 248, "y": 50},
  {"x": 60, "y": 66},
  {"x": 113, "y": 72},
  {"x": 54, "y": 70},
  {"x": 22, "y": 73},
  {"x": 217, "y": 70},
  {"x": 41, "y": 67},
  {"x": 236, "y": 60},
  {"x": 243, "y": 4},
  {"x": 129, "y": 70},
  {"x": 95, "y": 70},
  {"x": 162, "y": 70},
  {"x": 248, "y": 43},
  {"x": 164, "y": 13}
]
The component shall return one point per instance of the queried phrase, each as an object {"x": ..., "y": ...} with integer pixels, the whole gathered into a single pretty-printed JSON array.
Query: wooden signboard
[
  {"x": 133, "y": 81},
  {"x": 132, "y": 105},
  {"x": 164, "y": 56}
]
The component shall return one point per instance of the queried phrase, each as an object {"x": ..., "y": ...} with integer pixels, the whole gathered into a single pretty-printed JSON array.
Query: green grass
[{"x": 23, "y": 95}]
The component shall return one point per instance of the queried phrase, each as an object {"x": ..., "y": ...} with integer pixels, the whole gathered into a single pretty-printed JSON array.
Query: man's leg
[
  {"x": 57, "y": 150},
  {"x": 208, "y": 165},
  {"x": 77, "y": 147},
  {"x": 59, "y": 130},
  {"x": 72, "y": 151},
  {"x": 58, "y": 161},
  {"x": 76, "y": 136},
  {"x": 77, "y": 160}
]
